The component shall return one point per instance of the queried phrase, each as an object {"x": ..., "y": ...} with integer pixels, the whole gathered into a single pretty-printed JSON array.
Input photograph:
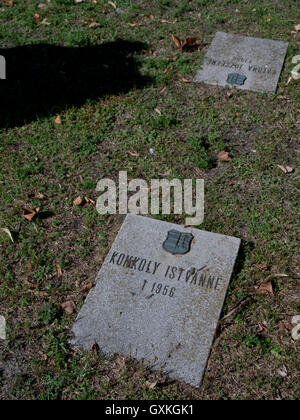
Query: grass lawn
[{"x": 108, "y": 107}]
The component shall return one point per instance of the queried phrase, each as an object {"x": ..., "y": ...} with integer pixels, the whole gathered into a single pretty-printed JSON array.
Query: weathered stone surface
[
  {"x": 259, "y": 60},
  {"x": 156, "y": 305}
]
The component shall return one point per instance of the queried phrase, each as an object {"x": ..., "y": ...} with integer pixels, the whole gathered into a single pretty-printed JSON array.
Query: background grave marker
[
  {"x": 156, "y": 303},
  {"x": 256, "y": 63}
]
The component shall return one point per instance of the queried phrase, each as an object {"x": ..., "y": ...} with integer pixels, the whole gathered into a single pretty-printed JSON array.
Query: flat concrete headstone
[
  {"x": 246, "y": 63},
  {"x": 158, "y": 296}
]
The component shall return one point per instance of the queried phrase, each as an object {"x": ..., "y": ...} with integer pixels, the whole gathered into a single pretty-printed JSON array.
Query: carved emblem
[
  {"x": 178, "y": 242},
  {"x": 236, "y": 79}
]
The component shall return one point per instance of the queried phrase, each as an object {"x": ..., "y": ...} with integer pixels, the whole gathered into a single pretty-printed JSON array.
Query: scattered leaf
[
  {"x": 58, "y": 120},
  {"x": 45, "y": 22},
  {"x": 266, "y": 287},
  {"x": 261, "y": 267},
  {"x": 32, "y": 285},
  {"x": 282, "y": 372},
  {"x": 132, "y": 24},
  {"x": 8, "y": 232},
  {"x": 94, "y": 25},
  {"x": 89, "y": 201},
  {"x": 177, "y": 41},
  {"x": 163, "y": 90},
  {"x": 8, "y": 2},
  {"x": 297, "y": 27},
  {"x": 286, "y": 169},
  {"x": 40, "y": 196},
  {"x": 95, "y": 348},
  {"x": 224, "y": 156},
  {"x": 43, "y": 355},
  {"x": 78, "y": 201},
  {"x": 87, "y": 287},
  {"x": 112, "y": 4},
  {"x": 69, "y": 307},
  {"x": 58, "y": 270},
  {"x": 150, "y": 385},
  {"x": 29, "y": 214},
  {"x": 184, "y": 80},
  {"x": 187, "y": 44},
  {"x": 157, "y": 111}
]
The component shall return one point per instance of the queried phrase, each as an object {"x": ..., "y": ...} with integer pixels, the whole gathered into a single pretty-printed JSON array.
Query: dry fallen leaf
[
  {"x": 224, "y": 156},
  {"x": 266, "y": 287},
  {"x": 112, "y": 4},
  {"x": 32, "y": 285},
  {"x": 187, "y": 44},
  {"x": 89, "y": 201},
  {"x": 261, "y": 267},
  {"x": 8, "y": 2},
  {"x": 58, "y": 120},
  {"x": 95, "y": 348},
  {"x": 132, "y": 24},
  {"x": 58, "y": 270},
  {"x": 8, "y": 232},
  {"x": 69, "y": 307},
  {"x": 94, "y": 25},
  {"x": 297, "y": 27},
  {"x": 150, "y": 385},
  {"x": 43, "y": 355},
  {"x": 87, "y": 287},
  {"x": 286, "y": 169},
  {"x": 157, "y": 111},
  {"x": 184, "y": 80},
  {"x": 29, "y": 214},
  {"x": 78, "y": 201},
  {"x": 45, "y": 22}
]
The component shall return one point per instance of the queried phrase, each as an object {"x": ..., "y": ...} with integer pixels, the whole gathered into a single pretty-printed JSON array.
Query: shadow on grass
[{"x": 43, "y": 79}]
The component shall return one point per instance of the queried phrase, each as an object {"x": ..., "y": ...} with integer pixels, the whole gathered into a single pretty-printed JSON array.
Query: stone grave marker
[
  {"x": 246, "y": 63},
  {"x": 158, "y": 296}
]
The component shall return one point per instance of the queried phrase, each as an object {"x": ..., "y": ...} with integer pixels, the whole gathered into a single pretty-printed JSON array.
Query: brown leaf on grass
[
  {"x": 87, "y": 287},
  {"x": 177, "y": 41},
  {"x": 8, "y": 2},
  {"x": 58, "y": 120},
  {"x": 32, "y": 285},
  {"x": 95, "y": 348},
  {"x": 45, "y": 22},
  {"x": 29, "y": 214},
  {"x": 187, "y": 44},
  {"x": 69, "y": 307},
  {"x": 43, "y": 355},
  {"x": 158, "y": 111},
  {"x": 89, "y": 201},
  {"x": 58, "y": 270},
  {"x": 8, "y": 232},
  {"x": 184, "y": 80},
  {"x": 297, "y": 27},
  {"x": 286, "y": 169},
  {"x": 266, "y": 287},
  {"x": 40, "y": 196},
  {"x": 78, "y": 201},
  {"x": 133, "y": 24},
  {"x": 261, "y": 267},
  {"x": 224, "y": 156},
  {"x": 150, "y": 385}
]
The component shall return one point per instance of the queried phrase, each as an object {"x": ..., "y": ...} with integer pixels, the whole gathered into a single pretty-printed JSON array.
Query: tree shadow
[{"x": 43, "y": 79}]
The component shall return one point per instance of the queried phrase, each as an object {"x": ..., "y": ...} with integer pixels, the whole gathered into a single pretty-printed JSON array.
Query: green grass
[{"x": 248, "y": 197}]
